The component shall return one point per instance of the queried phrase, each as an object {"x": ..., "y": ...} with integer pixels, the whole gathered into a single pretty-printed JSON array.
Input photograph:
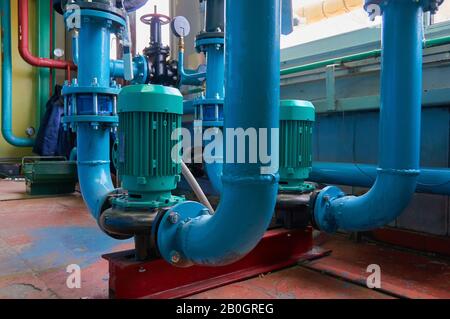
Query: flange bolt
[{"x": 174, "y": 217}]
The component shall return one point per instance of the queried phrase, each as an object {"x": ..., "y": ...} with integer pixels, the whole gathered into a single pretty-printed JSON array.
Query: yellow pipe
[{"x": 319, "y": 10}]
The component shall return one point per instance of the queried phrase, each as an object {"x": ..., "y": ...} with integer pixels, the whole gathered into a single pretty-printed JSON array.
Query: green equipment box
[{"x": 49, "y": 175}]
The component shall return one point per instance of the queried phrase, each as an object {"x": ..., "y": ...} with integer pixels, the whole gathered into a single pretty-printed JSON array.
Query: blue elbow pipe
[
  {"x": 248, "y": 196},
  {"x": 400, "y": 114},
  {"x": 430, "y": 181},
  {"x": 94, "y": 95},
  {"x": 94, "y": 167},
  {"x": 188, "y": 78},
  {"x": 7, "y": 130}
]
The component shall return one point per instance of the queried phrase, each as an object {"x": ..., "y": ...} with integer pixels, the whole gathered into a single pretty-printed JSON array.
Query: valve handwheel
[{"x": 148, "y": 18}]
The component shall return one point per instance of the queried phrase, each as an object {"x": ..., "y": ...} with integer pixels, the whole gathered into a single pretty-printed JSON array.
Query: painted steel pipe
[
  {"x": 186, "y": 77},
  {"x": 215, "y": 90},
  {"x": 24, "y": 49},
  {"x": 94, "y": 167},
  {"x": 248, "y": 196},
  {"x": 7, "y": 130},
  {"x": 93, "y": 138},
  {"x": 400, "y": 114},
  {"x": 430, "y": 181}
]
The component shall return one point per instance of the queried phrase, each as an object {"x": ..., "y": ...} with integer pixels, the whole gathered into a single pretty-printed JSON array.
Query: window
[
  {"x": 443, "y": 14},
  {"x": 307, "y": 31}
]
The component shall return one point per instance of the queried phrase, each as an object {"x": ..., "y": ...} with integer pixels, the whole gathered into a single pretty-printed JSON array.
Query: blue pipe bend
[
  {"x": 94, "y": 167},
  {"x": 400, "y": 113},
  {"x": 430, "y": 181},
  {"x": 7, "y": 130},
  {"x": 248, "y": 197}
]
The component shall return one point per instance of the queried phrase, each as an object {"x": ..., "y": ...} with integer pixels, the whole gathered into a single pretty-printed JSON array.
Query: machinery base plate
[{"x": 156, "y": 279}]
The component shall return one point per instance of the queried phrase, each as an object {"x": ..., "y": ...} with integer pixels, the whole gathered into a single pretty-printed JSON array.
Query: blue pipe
[
  {"x": 75, "y": 48},
  {"x": 93, "y": 141},
  {"x": 117, "y": 69},
  {"x": 188, "y": 77},
  {"x": 94, "y": 167},
  {"x": 215, "y": 89},
  {"x": 7, "y": 130},
  {"x": 430, "y": 181},
  {"x": 93, "y": 59},
  {"x": 400, "y": 113},
  {"x": 215, "y": 72},
  {"x": 248, "y": 197}
]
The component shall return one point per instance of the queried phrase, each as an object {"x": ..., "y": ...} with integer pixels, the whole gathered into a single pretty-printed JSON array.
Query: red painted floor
[
  {"x": 40, "y": 237},
  {"x": 403, "y": 273},
  {"x": 293, "y": 283}
]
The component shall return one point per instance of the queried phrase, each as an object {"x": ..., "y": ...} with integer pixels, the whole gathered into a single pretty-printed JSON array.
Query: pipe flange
[
  {"x": 428, "y": 5},
  {"x": 322, "y": 219},
  {"x": 106, "y": 7},
  {"x": 170, "y": 224}
]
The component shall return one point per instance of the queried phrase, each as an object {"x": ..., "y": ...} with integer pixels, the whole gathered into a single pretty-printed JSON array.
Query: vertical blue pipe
[
  {"x": 215, "y": 74},
  {"x": 93, "y": 141},
  {"x": 252, "y": 101},
  {"x": 215, "y": 89},
  {"x": 7, "y": 113},
  {"x": 94, "y": 166},
  {"x": 94, "y": 53},
  {"x": 400, "y": 113}
]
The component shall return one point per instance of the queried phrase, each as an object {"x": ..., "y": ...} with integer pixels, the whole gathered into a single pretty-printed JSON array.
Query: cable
[{"x": 196, "y": 187}]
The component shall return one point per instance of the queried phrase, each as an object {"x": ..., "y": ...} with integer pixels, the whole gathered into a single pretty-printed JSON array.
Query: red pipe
[
  {"x": 23, "y": 44},
  {"x": 50, "y": 78}
]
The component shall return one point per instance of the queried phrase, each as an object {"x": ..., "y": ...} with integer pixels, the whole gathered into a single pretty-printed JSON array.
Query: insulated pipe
[
  {"x": 401, "y": 93},
  {"x": 430, "y": 180},
  {"x": 23, "y": 43},
  {"x": 319, "y": 10},
  {"x": 6, "y": 57},
  {"x": 252, "y": 101}
]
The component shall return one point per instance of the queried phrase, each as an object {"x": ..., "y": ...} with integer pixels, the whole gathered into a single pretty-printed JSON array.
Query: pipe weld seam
[
  {"x": 396, "y": 171},
  {"x": 93, "y": 163},
  {"x": 270, "y": 179}
]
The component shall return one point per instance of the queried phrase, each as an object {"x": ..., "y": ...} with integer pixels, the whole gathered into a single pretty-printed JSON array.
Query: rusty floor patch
[
  {"x": 403, "y": 273},
  {"x": 292, "y": 283}
]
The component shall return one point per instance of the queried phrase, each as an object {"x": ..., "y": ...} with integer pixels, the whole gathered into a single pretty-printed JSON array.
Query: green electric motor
[
  {"x": 296, "y": 131},
  {"x": 148, "y": 117}
]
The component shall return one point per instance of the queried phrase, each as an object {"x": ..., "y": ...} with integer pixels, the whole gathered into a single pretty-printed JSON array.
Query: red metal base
[{"x": 157, "y": 279}]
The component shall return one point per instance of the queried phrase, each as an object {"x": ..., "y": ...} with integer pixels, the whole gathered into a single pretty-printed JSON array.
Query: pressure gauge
[{"x": 180, "y": 26}]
